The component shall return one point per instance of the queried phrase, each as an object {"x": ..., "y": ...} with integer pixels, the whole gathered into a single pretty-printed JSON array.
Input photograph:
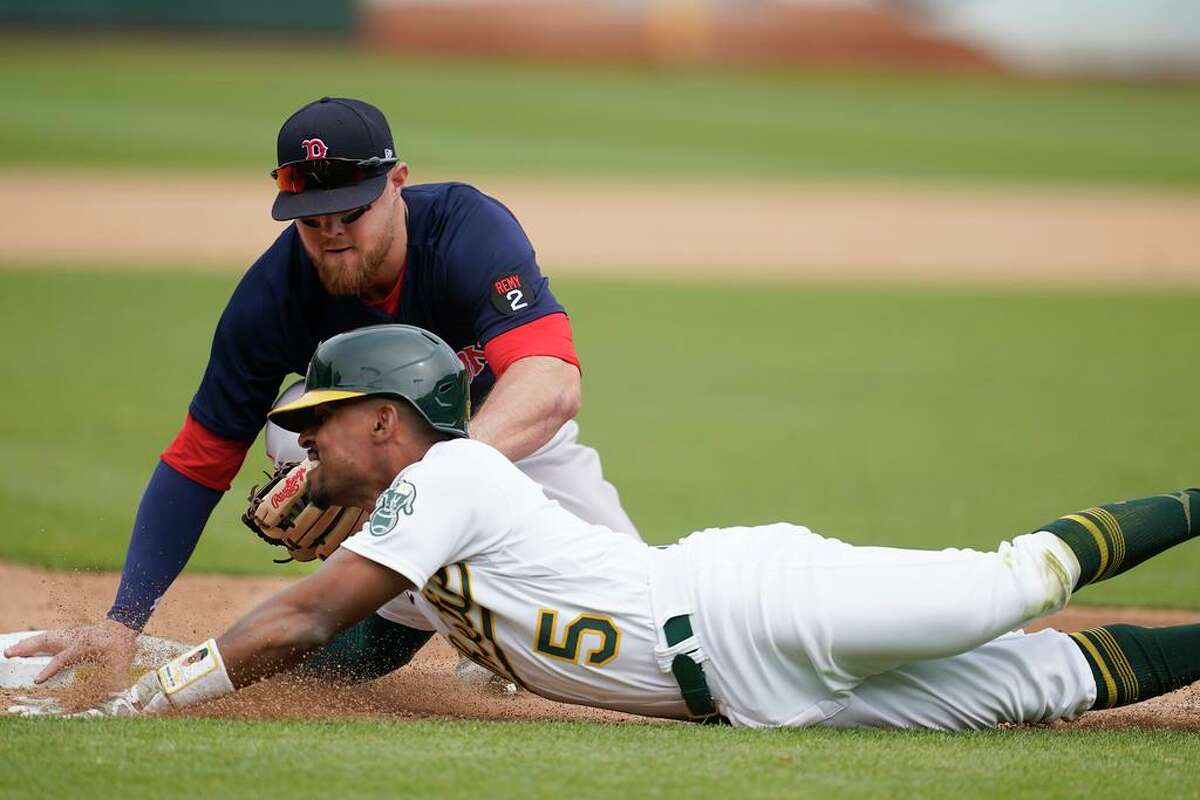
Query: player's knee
[
  {"x": 1046, "y": 565},
  {"x": 283, "y": 447}
]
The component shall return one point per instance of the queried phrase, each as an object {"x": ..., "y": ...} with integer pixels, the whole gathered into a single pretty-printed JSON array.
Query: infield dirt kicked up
[{"x": 199, "y": 606}]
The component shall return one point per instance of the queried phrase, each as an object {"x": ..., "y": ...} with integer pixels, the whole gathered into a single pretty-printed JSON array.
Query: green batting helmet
[{"x": 384, "y": 361}]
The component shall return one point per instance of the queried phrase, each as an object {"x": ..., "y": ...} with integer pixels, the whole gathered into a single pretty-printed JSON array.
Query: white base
[{"x": 18, "y": 673}]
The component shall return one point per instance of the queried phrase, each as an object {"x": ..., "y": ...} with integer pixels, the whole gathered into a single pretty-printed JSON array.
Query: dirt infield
[
  {"x": 847, "y": 231},
  {"x": 198, "y": 606},
  {"x": 201, "y": 605}
]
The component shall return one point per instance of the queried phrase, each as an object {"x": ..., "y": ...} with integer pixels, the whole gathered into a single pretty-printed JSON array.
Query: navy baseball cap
[{"x": 334, "y": 155}]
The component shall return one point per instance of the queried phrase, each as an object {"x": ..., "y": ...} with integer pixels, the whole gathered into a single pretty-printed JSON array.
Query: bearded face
[{"x": 348, "y": 257}]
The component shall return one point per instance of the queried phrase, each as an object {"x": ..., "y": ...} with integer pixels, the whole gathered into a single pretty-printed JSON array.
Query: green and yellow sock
[
  {"x": 1131, "y": 663},
  {"x": 1111, "y": 539}
]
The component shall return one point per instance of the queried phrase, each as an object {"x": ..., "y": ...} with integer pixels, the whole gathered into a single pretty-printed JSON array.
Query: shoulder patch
[
  {"x": 397, "y": 499},
  {"x": 510, "y": 294}
]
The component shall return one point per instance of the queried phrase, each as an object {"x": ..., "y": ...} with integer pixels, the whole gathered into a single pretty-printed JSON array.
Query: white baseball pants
[{"x": 796, "y": 629}]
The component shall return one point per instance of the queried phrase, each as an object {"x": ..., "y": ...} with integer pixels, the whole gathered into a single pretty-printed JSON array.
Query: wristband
[{"x": 196, "y": 676}]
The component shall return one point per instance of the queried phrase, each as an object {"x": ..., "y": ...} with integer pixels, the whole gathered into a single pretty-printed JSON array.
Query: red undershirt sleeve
[
  {"x": 206, "y": 458},
  {"x": 546, "y": 336}
]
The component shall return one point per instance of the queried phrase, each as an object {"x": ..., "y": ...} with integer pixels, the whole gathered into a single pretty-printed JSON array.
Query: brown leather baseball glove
[{"x": 281, "y": 514}]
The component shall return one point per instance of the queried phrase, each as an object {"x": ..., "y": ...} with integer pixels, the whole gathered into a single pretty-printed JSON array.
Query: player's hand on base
[
  {"x": 194, "y": 676},
  {"x": 107, "y": 642}
]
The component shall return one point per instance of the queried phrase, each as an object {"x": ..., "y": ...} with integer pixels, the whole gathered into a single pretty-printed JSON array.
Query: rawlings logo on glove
[
  {"x": 295, "y": 483},
  {"x": 281, "y": 514}
]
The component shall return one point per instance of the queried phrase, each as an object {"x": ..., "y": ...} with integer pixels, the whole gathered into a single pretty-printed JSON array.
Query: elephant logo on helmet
[
  {"x": 314, "y": 149},
  {"x": 396, "y": 500}
]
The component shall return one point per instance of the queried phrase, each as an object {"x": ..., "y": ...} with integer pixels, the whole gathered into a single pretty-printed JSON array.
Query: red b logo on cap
[{"x": 314, "y": 148}]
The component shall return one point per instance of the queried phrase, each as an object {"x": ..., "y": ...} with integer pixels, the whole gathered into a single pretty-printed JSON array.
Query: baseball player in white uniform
[
  {"x": 568, "y": 472},
  {"x": 765, "y": 626}
]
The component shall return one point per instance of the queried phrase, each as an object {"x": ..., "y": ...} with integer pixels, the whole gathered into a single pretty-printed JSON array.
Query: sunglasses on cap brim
[{"x": 327, "y": 173}]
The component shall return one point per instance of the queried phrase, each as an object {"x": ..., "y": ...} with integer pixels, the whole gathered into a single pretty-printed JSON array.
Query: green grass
[
  {"x": 155, "y": 758},
  {"x": 211, "y": 104},
  {"x": 919, "y": 418}
]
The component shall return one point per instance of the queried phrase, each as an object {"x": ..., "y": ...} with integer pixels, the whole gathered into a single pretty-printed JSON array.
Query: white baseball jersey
[
  {"x": 790, "y": 628},
  {"x": 521, "y": 585}
]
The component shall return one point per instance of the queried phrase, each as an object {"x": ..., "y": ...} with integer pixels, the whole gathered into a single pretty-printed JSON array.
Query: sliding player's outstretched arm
[
  {"x": 280, "y": 632},
  {"x": 275, "y": 636}
]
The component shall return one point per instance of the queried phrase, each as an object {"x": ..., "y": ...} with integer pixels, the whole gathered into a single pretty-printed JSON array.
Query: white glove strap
[{"x": 196, "y": 676}]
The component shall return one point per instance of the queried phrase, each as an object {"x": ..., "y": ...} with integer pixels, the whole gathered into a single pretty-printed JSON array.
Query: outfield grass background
[
  {"x": 216, "y": 106},
  {"x": 910, "y": 416}
]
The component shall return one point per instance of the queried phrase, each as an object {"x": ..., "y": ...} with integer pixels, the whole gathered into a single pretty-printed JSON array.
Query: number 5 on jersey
[{"x": 597, "y": 631}]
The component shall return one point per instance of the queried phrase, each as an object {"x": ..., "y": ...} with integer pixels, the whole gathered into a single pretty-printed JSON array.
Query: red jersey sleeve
[
  {"x": 545, "y": 336},
  {"x": 206, "y": 458}
]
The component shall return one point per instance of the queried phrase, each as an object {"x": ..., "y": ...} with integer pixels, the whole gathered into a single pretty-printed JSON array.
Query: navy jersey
[{"x": 470, "y": 276}]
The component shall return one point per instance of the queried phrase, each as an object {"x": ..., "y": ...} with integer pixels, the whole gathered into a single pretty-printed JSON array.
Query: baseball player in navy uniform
[
  {"x": 772, "y": 625},
  {"x": 365, "y": 248}
]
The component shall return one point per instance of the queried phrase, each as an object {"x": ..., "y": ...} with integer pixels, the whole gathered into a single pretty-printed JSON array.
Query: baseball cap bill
[{"x": 334, "y": 155}]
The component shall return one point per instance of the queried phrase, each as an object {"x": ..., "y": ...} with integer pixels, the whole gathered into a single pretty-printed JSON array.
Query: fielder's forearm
[
  {"x": 535, "y": 397},
  {"x": 170, "y": 519}
]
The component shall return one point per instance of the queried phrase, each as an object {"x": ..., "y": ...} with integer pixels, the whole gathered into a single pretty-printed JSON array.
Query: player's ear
[
  {"x": 384, "y": 418},
  {"x": 399, "y": 175},
  {"x": 388, "y": 417}
]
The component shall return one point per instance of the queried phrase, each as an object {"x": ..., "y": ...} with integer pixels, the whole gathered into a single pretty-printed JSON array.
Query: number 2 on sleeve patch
[{"x": 510, "y": 294}]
